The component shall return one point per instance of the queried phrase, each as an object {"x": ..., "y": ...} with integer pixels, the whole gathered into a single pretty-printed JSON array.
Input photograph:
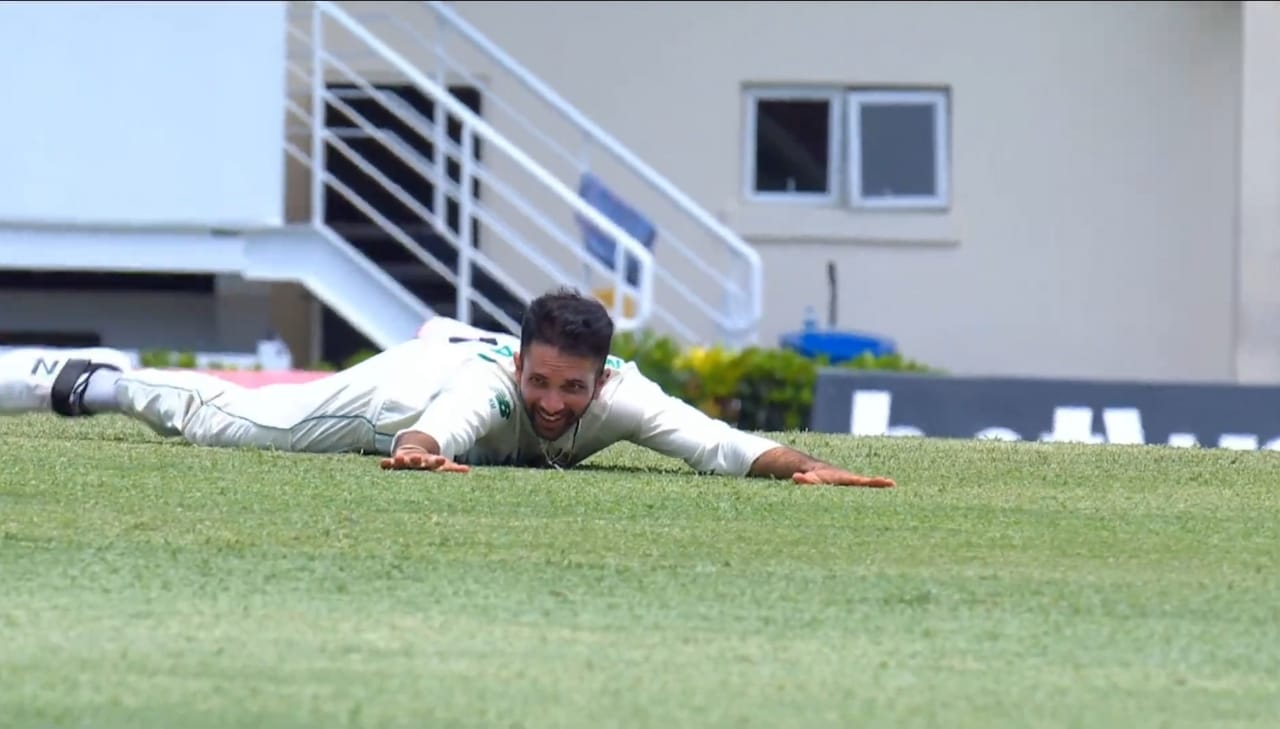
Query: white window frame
[
  {"x": 835, "y": 102},
  {"x": 939, "y": 99}
]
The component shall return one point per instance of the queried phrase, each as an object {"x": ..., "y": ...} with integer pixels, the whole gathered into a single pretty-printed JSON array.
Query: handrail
[
  {"x": 600, "y": 136},
  {"x": 626, "y": 244},
  {"x": 424, "y": 168}
]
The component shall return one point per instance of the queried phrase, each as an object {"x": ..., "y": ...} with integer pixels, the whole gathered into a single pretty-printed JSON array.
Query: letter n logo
[{"x": 48, "y": 367}]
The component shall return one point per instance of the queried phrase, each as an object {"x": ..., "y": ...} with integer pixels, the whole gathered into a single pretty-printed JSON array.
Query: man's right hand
[{"x": 413, "y": 458}]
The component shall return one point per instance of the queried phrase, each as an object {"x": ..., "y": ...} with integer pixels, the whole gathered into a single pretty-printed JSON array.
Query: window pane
[
  {"x": 898, "y": 152},
  {"x": 792, "y": 146}
]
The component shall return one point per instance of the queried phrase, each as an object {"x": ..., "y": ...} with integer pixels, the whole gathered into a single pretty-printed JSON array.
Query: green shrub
[
  {"x": 754, "y": 388},
  {"x": 156, "y": 358},
  {"x": 655, "y": 356},
  {"x": 357, "y": 358}
]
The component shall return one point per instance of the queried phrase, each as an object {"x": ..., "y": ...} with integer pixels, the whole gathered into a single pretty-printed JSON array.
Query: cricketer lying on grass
[{"x": 452, "y": 397}]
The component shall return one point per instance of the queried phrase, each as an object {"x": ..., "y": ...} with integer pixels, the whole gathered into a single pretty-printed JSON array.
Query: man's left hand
[
  {"x": 412, "y": 458},
  {"x": 830, "y": 476}
]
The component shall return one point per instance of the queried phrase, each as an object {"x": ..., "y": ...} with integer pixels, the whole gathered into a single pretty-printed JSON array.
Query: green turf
[{"x": 150, "y": 583}]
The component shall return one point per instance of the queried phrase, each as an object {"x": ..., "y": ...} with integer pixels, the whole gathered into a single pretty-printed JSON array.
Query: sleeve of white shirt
[
  {"x": 464, "y": 411},
  {"x": 674, "y": 428}
]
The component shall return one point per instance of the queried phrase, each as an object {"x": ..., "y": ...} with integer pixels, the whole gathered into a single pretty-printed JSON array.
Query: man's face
[{"x": 556, "y": 387}]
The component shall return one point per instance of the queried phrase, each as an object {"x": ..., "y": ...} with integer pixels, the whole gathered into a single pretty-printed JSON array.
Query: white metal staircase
[
  {"x": 504, "y": 193},
  {"x": 523, "y": 217}
]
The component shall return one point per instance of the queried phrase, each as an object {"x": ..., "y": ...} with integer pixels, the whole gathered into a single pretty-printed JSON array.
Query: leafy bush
[
  {"x": 755, "y": 388},
  {"x": 164, "y": 358},
  {"x": 655, "y": 356},
  {"x": 357, "y": 358}
]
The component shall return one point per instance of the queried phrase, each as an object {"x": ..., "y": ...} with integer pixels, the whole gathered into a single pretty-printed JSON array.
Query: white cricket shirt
[{"x": 478, "y": 418}]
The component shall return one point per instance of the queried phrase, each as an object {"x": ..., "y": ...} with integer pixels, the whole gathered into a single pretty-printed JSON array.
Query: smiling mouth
[{"x": 550, "y": 420}]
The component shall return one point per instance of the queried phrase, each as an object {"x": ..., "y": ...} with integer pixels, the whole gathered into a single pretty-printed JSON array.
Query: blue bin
[{"x": 836, "y": 345}]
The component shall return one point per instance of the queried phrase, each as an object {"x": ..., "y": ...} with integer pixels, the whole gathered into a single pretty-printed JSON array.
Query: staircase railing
[
  {"x": 708, "y": 282},
  {"x": 524, "y": 217}
]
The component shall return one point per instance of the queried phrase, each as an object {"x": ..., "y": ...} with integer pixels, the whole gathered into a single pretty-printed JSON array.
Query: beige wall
[{"x": 1094, "y": 162}]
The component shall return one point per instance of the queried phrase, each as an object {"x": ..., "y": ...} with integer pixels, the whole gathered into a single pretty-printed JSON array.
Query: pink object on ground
[{"x": 247, "y": 378}]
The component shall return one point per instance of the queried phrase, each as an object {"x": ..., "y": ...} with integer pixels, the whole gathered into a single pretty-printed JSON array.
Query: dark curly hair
[{"x": 574, "y": 324}]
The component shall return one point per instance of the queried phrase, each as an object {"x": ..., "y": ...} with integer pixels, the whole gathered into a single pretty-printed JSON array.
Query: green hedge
[{"x": 754, "y": 388}]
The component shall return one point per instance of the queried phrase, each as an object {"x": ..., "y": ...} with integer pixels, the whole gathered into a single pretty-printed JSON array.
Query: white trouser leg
[
  {"x": 358, "y": 409},
  {"x": 329, "y": 415}
]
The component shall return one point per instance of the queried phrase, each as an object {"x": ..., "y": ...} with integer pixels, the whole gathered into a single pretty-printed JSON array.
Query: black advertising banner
[{"x": 1223, "y": 416}]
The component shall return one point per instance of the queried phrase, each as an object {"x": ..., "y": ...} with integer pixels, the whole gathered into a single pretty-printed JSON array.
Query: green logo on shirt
[
  {"x": 502, "y": 404},
  {"x": 503, "y": 351}
]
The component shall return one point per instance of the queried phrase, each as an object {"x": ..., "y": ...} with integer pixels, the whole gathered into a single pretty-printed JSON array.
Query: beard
[{"x": 554, "y": 428}]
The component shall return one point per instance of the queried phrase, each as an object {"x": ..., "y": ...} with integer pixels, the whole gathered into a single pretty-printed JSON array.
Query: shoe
[{"x": 34, "y": 380}]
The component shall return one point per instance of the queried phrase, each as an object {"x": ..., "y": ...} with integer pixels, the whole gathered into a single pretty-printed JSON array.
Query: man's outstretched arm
[
  {"x": 462, "y": 413},
  {"x": 674, "y": 428},
  {"x": 784, "y": 462}
]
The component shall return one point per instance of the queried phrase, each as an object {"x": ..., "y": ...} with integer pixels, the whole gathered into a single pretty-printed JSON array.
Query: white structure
[{"x": 1060, "y": 189}]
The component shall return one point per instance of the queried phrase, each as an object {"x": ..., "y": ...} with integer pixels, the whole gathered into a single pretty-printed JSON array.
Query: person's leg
[
  {"x": 358, "y": 409},
  {"x": 328, "y": 415},
  {"x": 27, "y": 374},
  {"x": 332, "y": 414}
]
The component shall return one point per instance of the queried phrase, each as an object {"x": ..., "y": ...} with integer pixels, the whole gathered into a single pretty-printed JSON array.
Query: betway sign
[{"x": 1223, "y": 416}]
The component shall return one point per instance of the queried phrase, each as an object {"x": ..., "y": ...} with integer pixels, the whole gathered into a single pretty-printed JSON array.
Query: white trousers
[{"x": 357, "y": 410}]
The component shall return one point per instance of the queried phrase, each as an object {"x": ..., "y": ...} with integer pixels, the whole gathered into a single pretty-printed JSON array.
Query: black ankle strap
[{"x": 67, "y": 391}]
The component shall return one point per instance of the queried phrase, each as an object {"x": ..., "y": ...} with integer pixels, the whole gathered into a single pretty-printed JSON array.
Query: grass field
[{"x": 150, "y": 583}]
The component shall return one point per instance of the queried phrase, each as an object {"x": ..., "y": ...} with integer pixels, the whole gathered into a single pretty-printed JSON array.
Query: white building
[{"x": 1078, "y": 189}]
